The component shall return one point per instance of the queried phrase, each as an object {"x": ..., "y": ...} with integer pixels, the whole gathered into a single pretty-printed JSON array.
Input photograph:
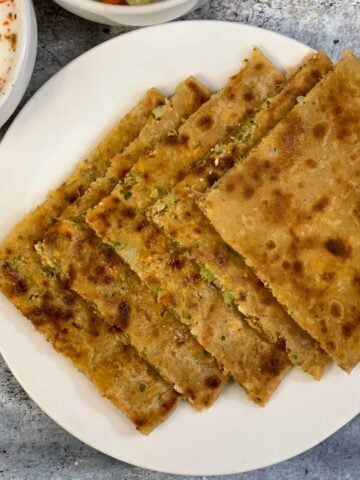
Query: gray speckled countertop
[{"x": 33, "y": 447}]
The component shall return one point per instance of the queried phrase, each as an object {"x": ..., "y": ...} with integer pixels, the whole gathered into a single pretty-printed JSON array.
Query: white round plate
[{"x": 65, "y": 119}]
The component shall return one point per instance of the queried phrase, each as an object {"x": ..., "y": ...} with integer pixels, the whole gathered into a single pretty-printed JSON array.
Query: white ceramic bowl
[
  {"x": 24, "y": 60},
  {"x": 136, "y": 16}
]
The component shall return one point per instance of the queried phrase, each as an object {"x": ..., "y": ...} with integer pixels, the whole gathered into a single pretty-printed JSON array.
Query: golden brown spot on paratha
[
  {"x": 176, "y": 262},
  {"x": 114, "y": 200},
  {"x": 323, "y": 326},
  {"x": 248, "y": 191},
  {"x": 338, "y": 247},
  {"x": 21, "y": 287},
  {"x": 140, "y": 225},
  {"x": 328, "y": 276},
  {"x": 343, "y": 134},
  {"x": 309, "y": 242},
  {"x": 315, "y": 74},
  {"x": 189, "y": 393},
  {"x": 276, "y": 210},
  {"x": 93, "y": 325},
  {"x": 290, "y": 139},
  {"x": 102, "y": 217},
  {"x": 139, "y": 422},
  {"x": 213, "y": 381},
  {"x": 319, "y": 130},
  {"x": 321, "y": 204},
  {"x": 180, "y": 175},
  {"x": 349, "y": 327},
  {"x": 356, "y": 211},
  {"x": 55, "y": 312},
  {"x": 286, "y": 264},
  {"x": 151, "y": 237},
  {"x": 248, "y": 96},
  {"x": 356, "y": 281},
  {"x": 205, "y": 122},
  {"x": 229, "y": 93},
  {"x": 168, "y": 405},
  {"x": 51, "y": 237},
  {"x": 71, "y": 274},
  {"x": 311, "y": 163},
  {"x": 298, "y": 267},
  {"x": 48, "y": 296},
  {"x": 273, "y": 363},
  {"x": 168, "y": 299},
  {"x": 330, "y": 345},
  {"x": 18, "y": 284},
  {"x": 71, "y": 197},
  {"x": 337, "y": 110},
  {"x": 170, "y": 140},
  {"x": 128, "y": 212},
  {"x": 183, "y": 139},
  {"x": 111, "y": 257},
  {"x": 270, "y": 244},
  {"x": 199, "y": 94},
  {"x": 230, "y": 185},
  {"x": 336, "y": 310},
  {"x": 123, "y": 315}
]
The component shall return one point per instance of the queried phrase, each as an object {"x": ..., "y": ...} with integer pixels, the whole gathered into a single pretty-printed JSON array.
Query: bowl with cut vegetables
[{"x": 137, "y": 13}]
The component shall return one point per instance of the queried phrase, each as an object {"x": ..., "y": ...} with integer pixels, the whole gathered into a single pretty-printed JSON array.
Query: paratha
[
  {"x": 179, "y": 358},
  {"x": 150, "y": 255},
  {"x": 183, "y": 287},
  {"x": 66, "y": 321},
  {"x": 155, "y": 174},
  {"x": 292, "y": 210},
  {"x": 180, "y": 218},
  {"x": 188, "y": 97},
  {"x": 97, "y": 273}
]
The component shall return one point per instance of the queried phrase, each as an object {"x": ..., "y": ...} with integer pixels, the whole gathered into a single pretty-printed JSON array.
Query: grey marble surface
[{"x": 32, "y": 447}]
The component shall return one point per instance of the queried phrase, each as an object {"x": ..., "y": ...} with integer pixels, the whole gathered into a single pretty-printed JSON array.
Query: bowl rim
[
  {"x": 17, "y": 82},
  {"x": 100, "y": 7},
  {"x": 23, "y": 32}
]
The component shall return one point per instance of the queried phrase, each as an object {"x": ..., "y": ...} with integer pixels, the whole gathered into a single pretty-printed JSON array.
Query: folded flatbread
[
  {"x": 154, "y": 175},
  {"x": 97, "y": 273},
  {"x": 292, "y": 210},
  {"x": 178, "y": 282},
  {"x": 91, "y": 268},
  {"x": 180, "y": 285},
  {"x": 66, "y": 321},
  {"x": 183, "y": 221}
]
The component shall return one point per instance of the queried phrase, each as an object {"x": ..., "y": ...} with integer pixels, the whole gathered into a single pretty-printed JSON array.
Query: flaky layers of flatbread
[
  {"x": 180, "y": 218},
  {"x": 66, "y": 321},
  {"x": 175, "y": 279},
  {"x": 97, "y": 273}
]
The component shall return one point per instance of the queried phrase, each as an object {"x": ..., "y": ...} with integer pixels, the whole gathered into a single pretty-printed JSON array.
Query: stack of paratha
[{"x": 208, "y": 237}]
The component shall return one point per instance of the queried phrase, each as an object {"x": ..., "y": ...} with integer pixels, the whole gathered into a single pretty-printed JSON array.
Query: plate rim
[{"x": 147, "y": 465}]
